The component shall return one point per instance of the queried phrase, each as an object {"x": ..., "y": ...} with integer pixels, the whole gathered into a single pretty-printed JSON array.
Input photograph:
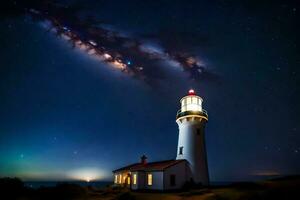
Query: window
[
  {"x": 116, "y": 178},
  {"x": 134, "y": 179},
  {"x": 183, "y": 102},
  {"x": 194, "y": 100},
  {"x": 128, "y": 180},
  {"x": 198, "y": 131},
  {"x": 149, "y": 179},
  {"x": 188, "y": 100},
  {"x": 183, "y": 105},
  {"x": 172, "y": 180},
  {"x": 180, "y": 150},
  {"x": 120, "y": 178}
]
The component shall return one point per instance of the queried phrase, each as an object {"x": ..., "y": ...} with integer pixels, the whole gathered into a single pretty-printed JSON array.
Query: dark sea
[{"x": 38, "y": 184}]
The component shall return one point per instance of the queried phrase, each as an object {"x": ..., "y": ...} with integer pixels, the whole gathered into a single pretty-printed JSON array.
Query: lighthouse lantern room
[{"x": 192, "y": 102}]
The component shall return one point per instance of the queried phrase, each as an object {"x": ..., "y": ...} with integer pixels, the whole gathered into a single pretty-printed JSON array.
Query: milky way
[{"x": 128, "y": 54}]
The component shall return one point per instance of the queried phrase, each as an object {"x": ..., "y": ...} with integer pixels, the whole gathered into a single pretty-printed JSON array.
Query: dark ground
[{"x": 281, "y": 188}]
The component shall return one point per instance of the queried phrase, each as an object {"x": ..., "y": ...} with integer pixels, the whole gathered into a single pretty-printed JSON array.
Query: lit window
[
  {"x": 128, "y": 180},
  {"x": 188, "y": 100},
  {"x": 134, "y": 179},
  {"x": 149, "y": 179},
  {"x": 183, "y": 105},
  {"x": 120, "y": 178},
  {"x": 116, "y": 178},
  {"x": 194, "y": 100}
]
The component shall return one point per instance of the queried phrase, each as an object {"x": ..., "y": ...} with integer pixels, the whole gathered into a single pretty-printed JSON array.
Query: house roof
[{"x": 151, "y": 166}]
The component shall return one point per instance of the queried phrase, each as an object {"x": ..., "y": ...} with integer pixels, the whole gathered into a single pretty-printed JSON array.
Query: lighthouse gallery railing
[{"x": 191, "y": 112}]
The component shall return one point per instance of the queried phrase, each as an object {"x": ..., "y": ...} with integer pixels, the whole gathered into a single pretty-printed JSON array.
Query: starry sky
[{"x": 64, "y": 114}]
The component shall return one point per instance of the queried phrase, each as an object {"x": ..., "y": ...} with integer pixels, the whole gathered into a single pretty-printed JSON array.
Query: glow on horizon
[{"x": 86, "y": 174}]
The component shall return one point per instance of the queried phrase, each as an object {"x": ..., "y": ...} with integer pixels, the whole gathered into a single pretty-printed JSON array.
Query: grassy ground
[{"x": 283, "y": 189}]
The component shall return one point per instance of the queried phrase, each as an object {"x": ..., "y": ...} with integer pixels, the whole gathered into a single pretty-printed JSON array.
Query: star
[
  {"x": 266, "y": 148},
  {"x": 278, "y": 148}
]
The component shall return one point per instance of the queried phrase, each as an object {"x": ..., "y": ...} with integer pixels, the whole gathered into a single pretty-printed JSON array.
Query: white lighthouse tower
[{"x": 191, "y": 120}]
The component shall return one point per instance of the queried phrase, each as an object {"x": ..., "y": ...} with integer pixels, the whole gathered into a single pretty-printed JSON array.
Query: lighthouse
[
  {"x": 191, "y": 120},
  {"x": 190, "y": 163}
]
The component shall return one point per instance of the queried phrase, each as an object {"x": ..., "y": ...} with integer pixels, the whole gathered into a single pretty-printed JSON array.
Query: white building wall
[
  {"x": 157, "y": 180},
  {"x": 182, "y": 174},
  {"x": 134, "y": 186},
  {"x": 140, "y": 182}
]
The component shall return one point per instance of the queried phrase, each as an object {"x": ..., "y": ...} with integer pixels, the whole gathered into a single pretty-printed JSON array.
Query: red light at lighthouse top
[{"x": 192, "y": 92}]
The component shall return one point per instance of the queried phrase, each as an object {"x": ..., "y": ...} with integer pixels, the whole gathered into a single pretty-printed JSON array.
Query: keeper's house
[{"x": 162, "y": 175}]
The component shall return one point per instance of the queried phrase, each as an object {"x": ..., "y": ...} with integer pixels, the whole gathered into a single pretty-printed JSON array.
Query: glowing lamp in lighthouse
[{"x": 191, "y": 102}]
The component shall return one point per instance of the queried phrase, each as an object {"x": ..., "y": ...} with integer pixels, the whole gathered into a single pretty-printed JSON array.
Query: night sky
[{"x": 66, "y": 115}]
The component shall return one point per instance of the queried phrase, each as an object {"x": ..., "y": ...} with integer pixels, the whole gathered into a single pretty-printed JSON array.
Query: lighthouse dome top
[{"x": 192, "y": 92}]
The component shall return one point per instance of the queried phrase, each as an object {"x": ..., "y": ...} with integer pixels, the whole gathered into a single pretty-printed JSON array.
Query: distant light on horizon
[
  {"x": 266, "y": 173},
  {"x": 86, "y": 174}
]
